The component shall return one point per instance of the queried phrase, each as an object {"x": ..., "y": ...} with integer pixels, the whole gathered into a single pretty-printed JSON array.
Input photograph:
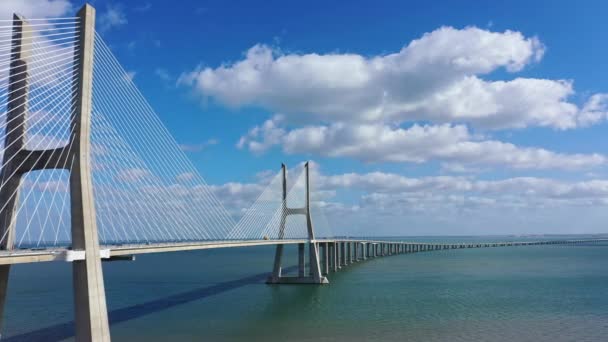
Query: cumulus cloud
[
  {"x": 133, "y": 175},
  {"x": 237, "y": 197},
  {"x": 198, "y": 147},
  {"x": 185, "y": 177},
  {"x": 434, "y": 78},
  {"x": 48, "y": 68},
  {"x": 389, "y": 203},
  {"x": 34, "y": 8},
  {"x": 113, "y": 16},
  {"x": 390, "y": 183},
  {"x": 416, "y": 144}
]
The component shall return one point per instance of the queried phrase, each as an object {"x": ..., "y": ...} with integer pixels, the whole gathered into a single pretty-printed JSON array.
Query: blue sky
[{"x": 493, "y": 121}]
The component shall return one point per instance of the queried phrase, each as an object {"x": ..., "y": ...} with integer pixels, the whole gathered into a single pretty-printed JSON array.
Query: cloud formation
[
  {"x": 416, "y": 144},
  {"x": 435, "y": 78},
  {"x": 389, "y": 203},
  {"x": 198, "y": 147},
  {"x": 113, "y": 16},
  {"x": 422, "y": 103},
  {"x": 34, "y": 8}
]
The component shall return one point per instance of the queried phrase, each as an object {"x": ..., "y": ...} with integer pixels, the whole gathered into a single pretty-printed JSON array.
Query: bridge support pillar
[
  {"x": 336, "y": 256},
  {"x": 349, "y": 256},
  {"x": 325, "y": 258},
  {"x": 315, "y": 274},
  {"x": 14, "y": 141},
  {"x": 301, "y": 258},
  {"x": 91, "y": 317},
  {"x": 330, "y": 256}
]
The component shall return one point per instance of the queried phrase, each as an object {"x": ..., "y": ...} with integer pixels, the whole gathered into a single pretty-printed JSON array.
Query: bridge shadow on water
[{"x": 62, "y": 331}]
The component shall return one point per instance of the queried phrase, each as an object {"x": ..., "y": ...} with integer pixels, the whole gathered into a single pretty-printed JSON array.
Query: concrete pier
[
  {"x": 349, "y": 255},
  {"x": 301, "y": 258},
  {"x": 326, "y": 258},
  {"x": 336, "y": 258}
]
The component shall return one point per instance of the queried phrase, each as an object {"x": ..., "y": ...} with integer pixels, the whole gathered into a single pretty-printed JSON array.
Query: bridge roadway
[{"x": 334, "y": 251}]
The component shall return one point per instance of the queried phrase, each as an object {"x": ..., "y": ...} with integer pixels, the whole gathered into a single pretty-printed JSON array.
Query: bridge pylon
[
  {"x": 91, "y": 315},
  {"x": 315, "y": 275}
]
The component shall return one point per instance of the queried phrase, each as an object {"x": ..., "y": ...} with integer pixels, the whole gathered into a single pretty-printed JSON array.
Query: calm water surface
[{"x": 557, "y": 293}]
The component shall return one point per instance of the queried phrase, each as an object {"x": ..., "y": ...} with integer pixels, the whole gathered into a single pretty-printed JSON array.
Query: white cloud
[
  {"x": 185, "y": 177},
  {"x": 237, "y": 197},
  {"x": 434, "y": 78},
  {"x": 49, "y": 68},
  {"x": 163, "y": 74},
  {"x": 130, "y": 75},
  {"x": 133, "y": 175},
  {"x": 62, "y": 186},
  {"x": 389, "y": 203},
  {"x": 34, "y": 9},
  {"x": 417, "y": 144},
  {"x": 524, "y": 187},
  {"x": 113, "y": 16},
  {"x": 198, "y": 147}
]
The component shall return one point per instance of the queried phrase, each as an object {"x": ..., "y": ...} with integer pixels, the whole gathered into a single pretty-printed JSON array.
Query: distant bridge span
[{"x": 332, "y": 251}]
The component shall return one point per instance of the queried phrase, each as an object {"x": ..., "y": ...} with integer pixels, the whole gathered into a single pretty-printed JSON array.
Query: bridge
[{"x": 90, "y": 174}]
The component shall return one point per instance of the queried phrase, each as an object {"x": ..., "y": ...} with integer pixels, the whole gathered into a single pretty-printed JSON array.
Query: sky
[{"x": 429, "y": 118}]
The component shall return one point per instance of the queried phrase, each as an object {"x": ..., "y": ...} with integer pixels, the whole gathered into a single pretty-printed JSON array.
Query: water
[{"x": 533, "y": 293}]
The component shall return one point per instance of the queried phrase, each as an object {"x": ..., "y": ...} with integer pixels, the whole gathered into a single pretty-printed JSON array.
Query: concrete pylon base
[{"x": 296, "y": 280}]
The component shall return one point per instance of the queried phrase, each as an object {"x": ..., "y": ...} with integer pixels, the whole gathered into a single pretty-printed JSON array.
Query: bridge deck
[{"x": 65, "y": 254}]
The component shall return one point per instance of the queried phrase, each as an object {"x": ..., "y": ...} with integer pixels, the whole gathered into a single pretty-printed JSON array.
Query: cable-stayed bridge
[{"x": 89, "y": 173}]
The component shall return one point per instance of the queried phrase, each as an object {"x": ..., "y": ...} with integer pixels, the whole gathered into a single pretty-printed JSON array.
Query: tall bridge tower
[
  {"x": 89, "y": 295},
  {"x": 315, "y": 276}
]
